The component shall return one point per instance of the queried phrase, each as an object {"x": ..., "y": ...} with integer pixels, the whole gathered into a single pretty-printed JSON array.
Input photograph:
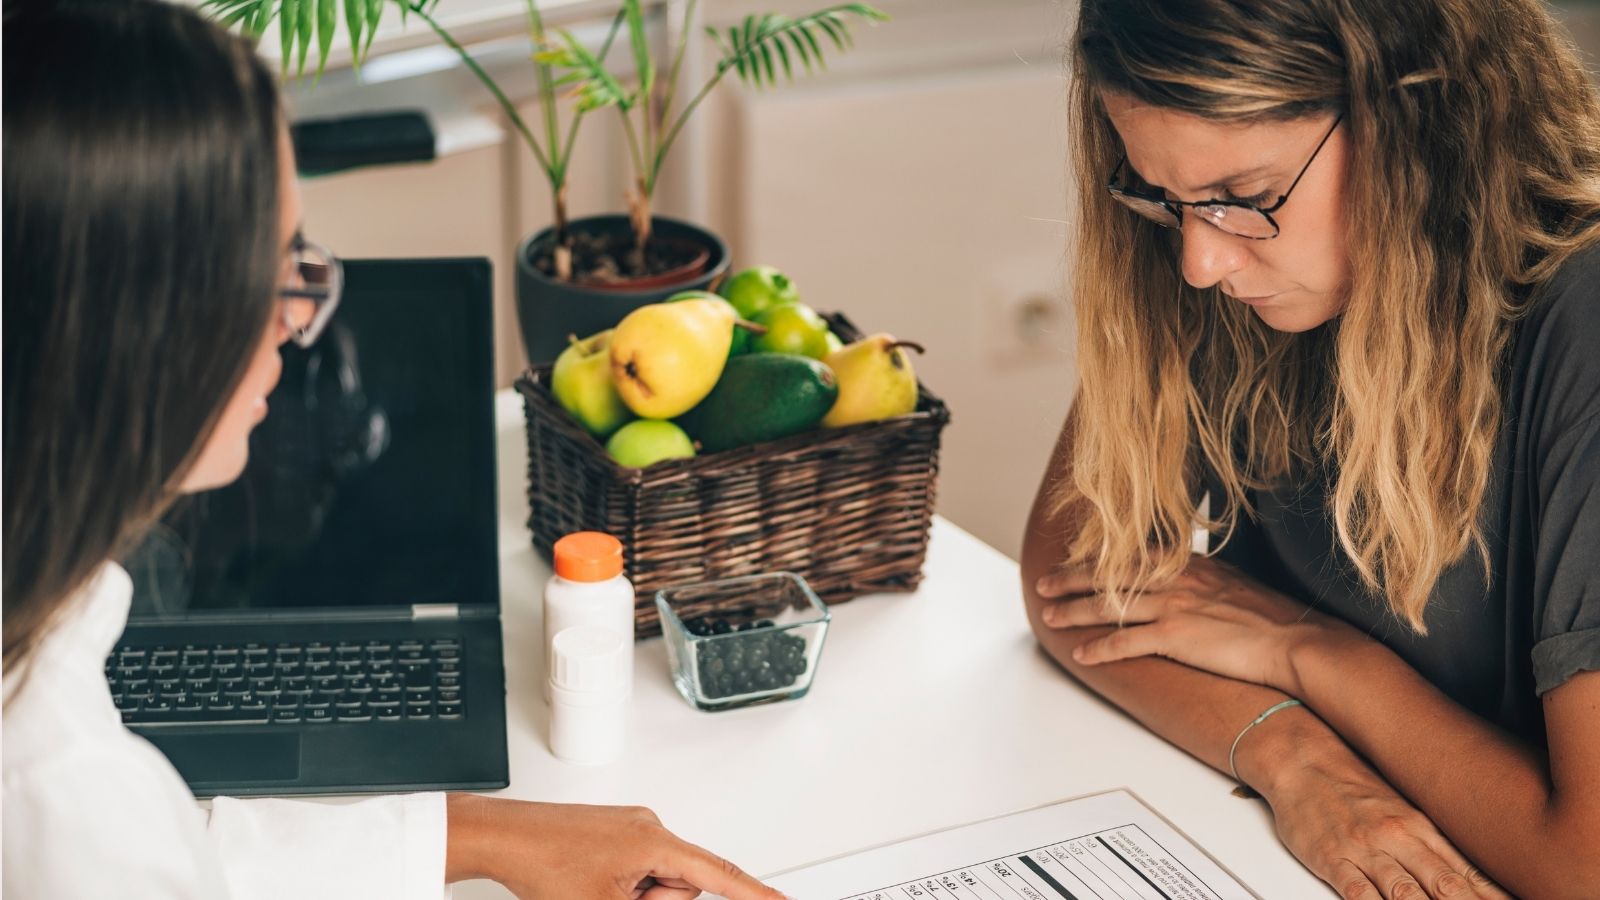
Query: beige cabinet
[{"x": 921, "y": 188}]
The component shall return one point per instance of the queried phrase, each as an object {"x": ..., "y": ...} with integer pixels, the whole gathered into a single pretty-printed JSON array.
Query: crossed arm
[{"x": 1230, "y": 648}]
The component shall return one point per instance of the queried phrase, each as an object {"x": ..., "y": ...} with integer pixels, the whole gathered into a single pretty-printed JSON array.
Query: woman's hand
[
  {"x": 1352, "y": 830},
  {"x": 545, "y": 850},
  {"x": 1211, "y": 616}
]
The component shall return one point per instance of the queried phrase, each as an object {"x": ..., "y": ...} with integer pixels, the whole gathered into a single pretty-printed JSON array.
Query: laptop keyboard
[{"x": 288, "y": 683}]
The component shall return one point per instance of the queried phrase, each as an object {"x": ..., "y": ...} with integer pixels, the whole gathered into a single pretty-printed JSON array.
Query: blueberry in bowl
[{"x": 743, "y": 641}]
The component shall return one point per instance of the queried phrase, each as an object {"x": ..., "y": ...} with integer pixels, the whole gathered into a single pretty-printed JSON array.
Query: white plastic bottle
[
  {"x": 589, "y": 693},
  {"x": 589, "y": 588}
]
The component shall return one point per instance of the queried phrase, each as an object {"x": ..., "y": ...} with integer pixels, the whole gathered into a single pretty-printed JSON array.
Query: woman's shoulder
[
  {"x": 1566, "y": 308},
  {"x": 1573, "y": 289},
  {"x": 118, "y": 803},
  {"x": 51, "y": 757},
  {"x": 1556, "y": 359},
  {"x": 70, "y": 764}
]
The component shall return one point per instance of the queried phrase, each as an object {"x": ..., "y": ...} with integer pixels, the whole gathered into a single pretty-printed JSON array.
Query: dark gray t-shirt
[{"x": 1494, "y": 649}]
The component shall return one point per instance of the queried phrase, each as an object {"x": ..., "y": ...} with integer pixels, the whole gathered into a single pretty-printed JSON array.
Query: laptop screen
[{"x": 371, "y": 483}]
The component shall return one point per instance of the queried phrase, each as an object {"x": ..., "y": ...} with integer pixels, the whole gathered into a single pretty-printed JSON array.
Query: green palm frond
[
  {"x": 302, "y": 30},
  {"x": 303, "y": 24},
  {"x": 229, "y": 13},
  {"x": 593, "y": 86},
  {"x": 757, "y": 48},
  {"x": 639, "y": 39}
]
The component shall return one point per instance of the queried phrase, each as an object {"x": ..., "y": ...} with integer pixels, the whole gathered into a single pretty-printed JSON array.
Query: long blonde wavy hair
[{"x": 1474, "y": 141}]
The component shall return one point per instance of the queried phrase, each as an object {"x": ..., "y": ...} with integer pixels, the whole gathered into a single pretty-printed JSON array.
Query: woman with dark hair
[
  {"x": 1338, "y": 292},
  {"x": 153, "y": 266}
]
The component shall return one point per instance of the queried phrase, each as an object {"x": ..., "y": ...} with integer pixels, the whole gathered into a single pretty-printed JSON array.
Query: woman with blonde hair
[{"x": 1338, "y": 291}]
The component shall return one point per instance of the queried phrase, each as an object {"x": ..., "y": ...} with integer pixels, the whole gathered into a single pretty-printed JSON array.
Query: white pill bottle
[
  {"x": 589, "y": 588},
  {"x": 589, "y": 698}
]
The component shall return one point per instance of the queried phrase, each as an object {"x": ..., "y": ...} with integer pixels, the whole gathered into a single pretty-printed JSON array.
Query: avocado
[{"x": 762, "y": 397}]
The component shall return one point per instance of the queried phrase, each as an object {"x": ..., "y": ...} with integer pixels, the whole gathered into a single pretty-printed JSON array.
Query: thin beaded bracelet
[{"x": 1257, "y": 721}]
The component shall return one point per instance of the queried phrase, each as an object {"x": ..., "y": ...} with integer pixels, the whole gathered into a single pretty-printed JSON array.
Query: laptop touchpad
[{"x": 233, "y": 757}]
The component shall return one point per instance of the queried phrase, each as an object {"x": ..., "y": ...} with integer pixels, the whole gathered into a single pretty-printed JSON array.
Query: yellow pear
[
  {"x": 666, "y": 357},
  {"x": 876, "y": 381}
]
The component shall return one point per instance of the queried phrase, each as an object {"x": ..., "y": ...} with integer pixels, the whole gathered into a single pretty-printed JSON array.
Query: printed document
[{"x": 1106, "y": 846}]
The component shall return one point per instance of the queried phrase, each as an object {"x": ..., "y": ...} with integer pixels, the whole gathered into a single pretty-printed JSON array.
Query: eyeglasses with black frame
[
  {"x": 1236, "y": 217},
  {"x": 313, "y": 292}
]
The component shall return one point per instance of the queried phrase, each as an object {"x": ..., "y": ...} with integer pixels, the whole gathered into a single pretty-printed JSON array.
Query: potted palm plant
[{"x": 581, "y": 276}]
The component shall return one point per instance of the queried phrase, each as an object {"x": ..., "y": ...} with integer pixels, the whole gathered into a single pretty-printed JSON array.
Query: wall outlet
[{"x": 1028, "y": 326}]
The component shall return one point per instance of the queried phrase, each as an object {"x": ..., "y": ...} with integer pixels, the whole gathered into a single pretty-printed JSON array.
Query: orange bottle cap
[{"x": 588, "y": 556}]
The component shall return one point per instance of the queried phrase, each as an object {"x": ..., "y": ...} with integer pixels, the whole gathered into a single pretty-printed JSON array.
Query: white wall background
[{"x": 919, "y": 186}]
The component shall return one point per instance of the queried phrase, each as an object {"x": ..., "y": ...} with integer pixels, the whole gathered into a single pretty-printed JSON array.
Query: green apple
[
  {"x": 648, "y": 441},
  {"x": 581, "y": 382},
  {"x": 741, "y": 338},
  {"x": 791, "y": 328},
  {"x": 757, "y": 289}
]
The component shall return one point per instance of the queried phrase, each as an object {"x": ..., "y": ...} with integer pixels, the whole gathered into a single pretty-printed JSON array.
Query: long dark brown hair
[
  {"x": 141, "y": 231},
  {"x": 1474, "y": 137}
]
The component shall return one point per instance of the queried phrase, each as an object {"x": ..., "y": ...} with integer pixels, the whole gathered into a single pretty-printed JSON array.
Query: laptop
[{"x": 330, "y": 622}]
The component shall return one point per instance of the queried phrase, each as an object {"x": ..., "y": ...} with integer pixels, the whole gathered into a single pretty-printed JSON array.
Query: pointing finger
[{"x": 710, "y": 872}]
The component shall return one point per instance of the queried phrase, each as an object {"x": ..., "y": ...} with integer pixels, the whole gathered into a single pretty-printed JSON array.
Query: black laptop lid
[{"x": 370, "y": 488}]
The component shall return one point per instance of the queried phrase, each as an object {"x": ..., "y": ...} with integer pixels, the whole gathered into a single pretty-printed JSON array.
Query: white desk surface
[{"x": 929, "y": 710}]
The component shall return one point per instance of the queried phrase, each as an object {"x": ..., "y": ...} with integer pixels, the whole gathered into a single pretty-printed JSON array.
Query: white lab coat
[{"x": 93, "y": 811}]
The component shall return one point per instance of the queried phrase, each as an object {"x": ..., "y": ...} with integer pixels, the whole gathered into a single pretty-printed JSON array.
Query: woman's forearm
[
  {"x": 467, "y": 837},
  {"x": 1489, "y": 792},
  {"x": 1214, "y": 709}
]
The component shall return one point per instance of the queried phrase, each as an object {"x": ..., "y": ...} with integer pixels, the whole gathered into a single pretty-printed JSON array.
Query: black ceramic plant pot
[{"x": 550, "y": 310}]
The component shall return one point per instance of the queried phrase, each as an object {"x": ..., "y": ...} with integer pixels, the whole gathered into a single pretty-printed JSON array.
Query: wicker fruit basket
[{"x": 847, "y": 509}]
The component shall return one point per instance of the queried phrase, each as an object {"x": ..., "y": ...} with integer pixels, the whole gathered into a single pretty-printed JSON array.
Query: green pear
[
  {"x": 876, "y": 381},
  {"x": 666, "y": 357},
  {"x": 757, "y": 288},
  {"x": 835, "y": 344},
  {"x": 581, "y": 382},
  {"x": 648, "y": 441},
  {"x": 791, "y": 328}
]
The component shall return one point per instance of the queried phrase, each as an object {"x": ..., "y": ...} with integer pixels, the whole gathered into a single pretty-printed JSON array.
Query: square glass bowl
[{"x": 743, "y": 641}]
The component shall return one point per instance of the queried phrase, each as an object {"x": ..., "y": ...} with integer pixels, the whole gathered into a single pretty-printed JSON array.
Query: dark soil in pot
[{"x": 607, "y": 260}]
